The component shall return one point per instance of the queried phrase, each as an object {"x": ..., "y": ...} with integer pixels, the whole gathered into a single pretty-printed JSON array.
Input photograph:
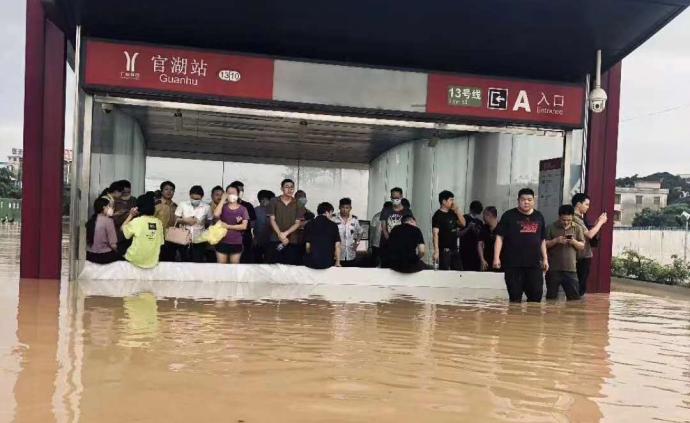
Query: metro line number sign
[{"x": 506, "y": 100}]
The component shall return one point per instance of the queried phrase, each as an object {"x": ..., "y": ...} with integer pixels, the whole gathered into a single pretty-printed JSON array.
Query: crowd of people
[{"x": 153, "y": 228}]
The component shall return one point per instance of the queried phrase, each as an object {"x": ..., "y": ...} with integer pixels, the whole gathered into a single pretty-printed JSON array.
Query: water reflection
[{"x": 314, "y": 357}]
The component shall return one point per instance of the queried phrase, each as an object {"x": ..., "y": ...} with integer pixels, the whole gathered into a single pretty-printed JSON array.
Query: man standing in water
[
  {"x": 521, "y": 237},
  {"x": 581, "y": 203},
  {"x": 564, "y": 242}
]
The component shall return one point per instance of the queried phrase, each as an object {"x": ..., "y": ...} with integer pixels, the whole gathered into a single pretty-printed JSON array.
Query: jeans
[
  {"x": 583, "y": 267},
  {"x": 527, "y": 280},
  {"x": 569, "y": 282}
]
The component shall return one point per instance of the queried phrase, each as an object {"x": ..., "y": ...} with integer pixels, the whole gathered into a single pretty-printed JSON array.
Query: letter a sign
[{"x": 522, "y": 102}]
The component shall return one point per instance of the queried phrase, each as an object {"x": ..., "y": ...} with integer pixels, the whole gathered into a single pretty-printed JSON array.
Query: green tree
[
  {"x": 8, "y": 185},
  {"x": 668, "y": 217}
]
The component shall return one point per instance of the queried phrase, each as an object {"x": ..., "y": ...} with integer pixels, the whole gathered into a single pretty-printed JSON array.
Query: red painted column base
[
  {"x": 44, "y": 128},
  {"x": 602, "y": 151}
]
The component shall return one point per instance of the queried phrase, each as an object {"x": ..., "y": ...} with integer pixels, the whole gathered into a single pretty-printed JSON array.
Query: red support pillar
[
  {"x": 44, "y": 128},
  {"x": 602, "y": 154}
]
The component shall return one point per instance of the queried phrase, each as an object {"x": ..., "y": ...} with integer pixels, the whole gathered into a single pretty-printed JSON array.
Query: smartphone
[{"x": 568, "y": 237}]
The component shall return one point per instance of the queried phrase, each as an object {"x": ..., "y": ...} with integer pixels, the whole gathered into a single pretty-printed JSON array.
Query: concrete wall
[
  {"x": 488, "y": 167},
  {"x": 118, "y": 151},
  {"x": 321, "y": 181},
  {"x": 422, "y": 172},
  {"x": 656, "y": 244}
]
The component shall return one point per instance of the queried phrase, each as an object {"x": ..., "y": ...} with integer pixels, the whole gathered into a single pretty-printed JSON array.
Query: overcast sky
[{"x": 655, "y": 112}]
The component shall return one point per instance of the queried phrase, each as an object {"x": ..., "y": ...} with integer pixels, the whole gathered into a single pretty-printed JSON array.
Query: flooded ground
[{"x": 66, "y": 356}]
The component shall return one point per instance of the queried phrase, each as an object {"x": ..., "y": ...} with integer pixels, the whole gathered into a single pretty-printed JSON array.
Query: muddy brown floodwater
[{"x": 66, "y": 356}]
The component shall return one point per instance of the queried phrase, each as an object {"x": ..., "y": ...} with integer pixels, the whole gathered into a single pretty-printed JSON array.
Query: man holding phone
[{"x": 563, "y": 241}]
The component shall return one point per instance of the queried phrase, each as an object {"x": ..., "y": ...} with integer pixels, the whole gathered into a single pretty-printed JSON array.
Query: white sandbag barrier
[{"x": 283, "y": 282}]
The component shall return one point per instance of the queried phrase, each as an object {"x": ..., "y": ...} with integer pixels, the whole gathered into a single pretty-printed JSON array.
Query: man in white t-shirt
[{"x": 193, "y": 215}]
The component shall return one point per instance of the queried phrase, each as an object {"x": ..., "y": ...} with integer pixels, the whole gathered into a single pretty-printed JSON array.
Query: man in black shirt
[
  {"x": 445, "y": 225},
  {"x": 247, "y": 237},
  {"x": 322, "y": 240},
  {"x": 469, "y": 238},
  {"x": 487, "y": 238},
  {"x": 406, "y": 248},
  {"x": 521, "y": 241}
]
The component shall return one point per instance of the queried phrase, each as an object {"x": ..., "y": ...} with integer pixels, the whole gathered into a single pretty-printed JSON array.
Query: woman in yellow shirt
[{"x": 146, "y": 231}]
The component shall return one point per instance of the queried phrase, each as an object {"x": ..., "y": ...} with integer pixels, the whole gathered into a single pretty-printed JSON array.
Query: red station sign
[
  {"x": 506, "y": 100},
  {"x": 163, "y": 69},
  {"x": 149, "y": 68}
]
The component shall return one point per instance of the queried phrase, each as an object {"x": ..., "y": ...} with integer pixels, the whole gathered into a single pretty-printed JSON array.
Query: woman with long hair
[{"x": 101, "y": 237}]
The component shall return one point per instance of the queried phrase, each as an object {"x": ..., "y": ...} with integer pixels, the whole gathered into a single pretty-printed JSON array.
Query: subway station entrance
[
  {"x": 348, "y": 99},
  {"x": 337, "y": 130}
]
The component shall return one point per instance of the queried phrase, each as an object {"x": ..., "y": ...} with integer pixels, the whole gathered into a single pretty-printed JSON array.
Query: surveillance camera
[
  {"x": 107, "y": 107},
  {"x": 597, "y": 100}
]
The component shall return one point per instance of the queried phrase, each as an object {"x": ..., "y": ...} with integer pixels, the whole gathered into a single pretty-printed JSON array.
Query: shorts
[{"x": 229, "y": 249}]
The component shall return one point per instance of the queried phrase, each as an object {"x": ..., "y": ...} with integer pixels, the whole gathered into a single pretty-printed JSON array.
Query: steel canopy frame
[{"x": 321, "y": 117}]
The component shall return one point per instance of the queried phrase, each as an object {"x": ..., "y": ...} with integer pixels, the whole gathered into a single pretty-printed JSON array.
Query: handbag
[{"x": 179, "y": 236}]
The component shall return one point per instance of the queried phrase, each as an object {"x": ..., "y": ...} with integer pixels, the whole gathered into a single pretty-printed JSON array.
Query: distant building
[
  {"x": 630, "y": 201},
  {"x": 15, "y": 162}
]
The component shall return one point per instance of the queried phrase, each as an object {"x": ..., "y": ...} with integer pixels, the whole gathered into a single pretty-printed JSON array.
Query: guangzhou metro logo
[{"x": 130, "y": 67}]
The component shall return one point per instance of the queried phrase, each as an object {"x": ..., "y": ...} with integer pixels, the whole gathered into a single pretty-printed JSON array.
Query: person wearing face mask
[
  {"x": 322, "y": 240},
  {"x": 390, "y": 218},
  {"x": 247, "y": 237},
  {"x": 262, "y": 226},
  {"x": 469, "y": 238},
  {"x": 194, "y": 214},
  {"x": 101, "y": 237},
  {"x": 216, "y": 194},
  {"x": 235, "y": 218}
]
